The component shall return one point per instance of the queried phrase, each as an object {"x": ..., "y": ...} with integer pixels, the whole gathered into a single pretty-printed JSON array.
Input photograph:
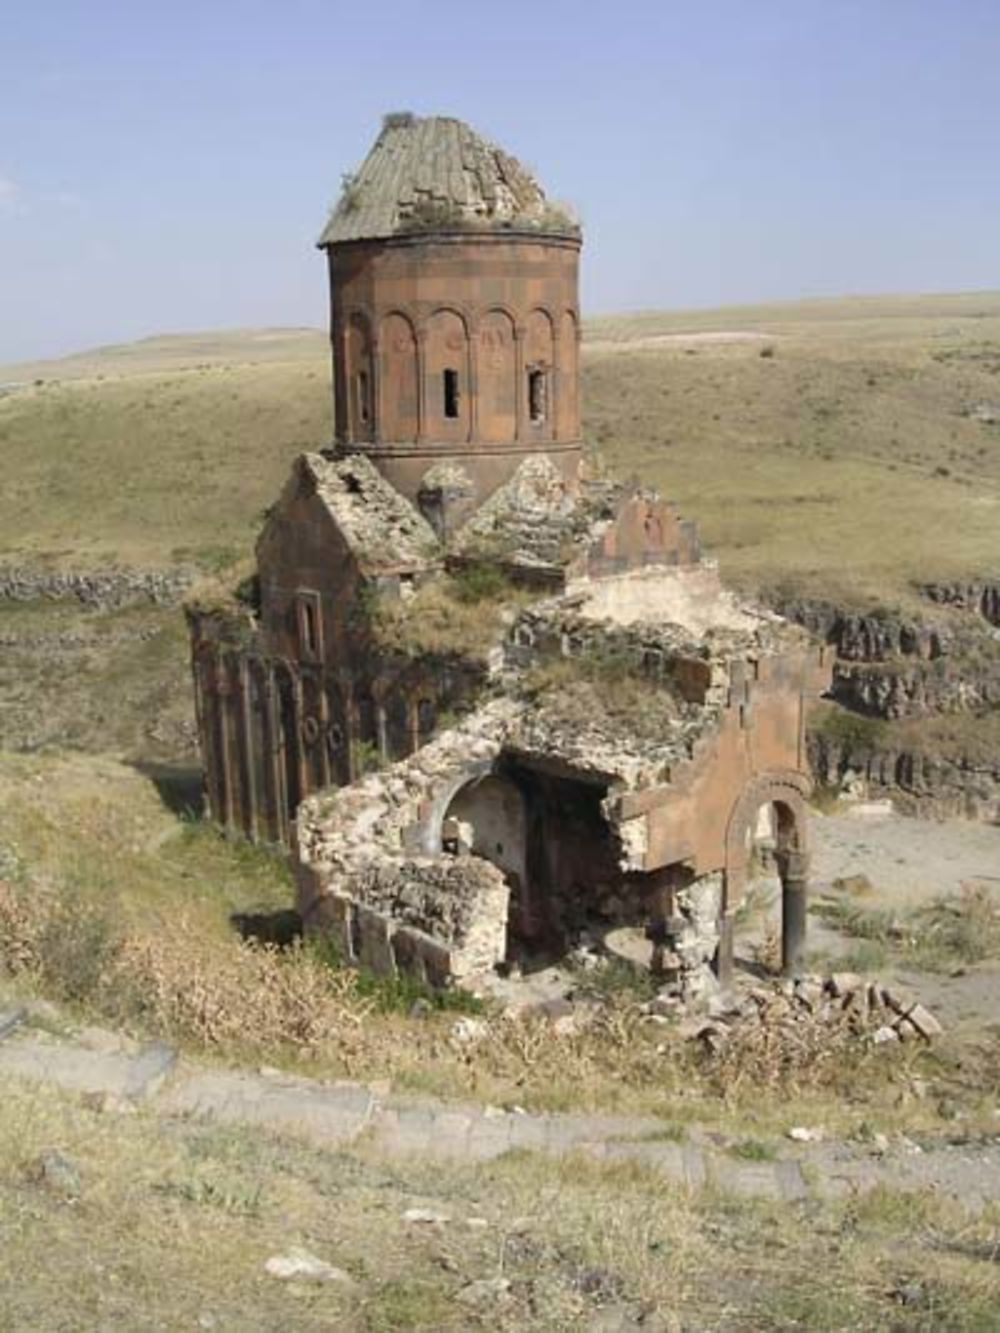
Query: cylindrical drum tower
[{"x": 455, "y": 317}]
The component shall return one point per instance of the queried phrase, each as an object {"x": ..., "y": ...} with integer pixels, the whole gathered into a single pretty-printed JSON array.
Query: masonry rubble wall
[
  {"x": 101, "y": 589},
  {"x": 692, "y": 938},
  {"x": 369, "y": 863}
]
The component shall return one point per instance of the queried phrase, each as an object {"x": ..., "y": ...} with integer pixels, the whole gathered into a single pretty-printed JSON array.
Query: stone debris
[
  {"x": 426, "y": 1217},
  {"x": 469, "y": 1031},
  {"x": 869, "y": 1010},
  {"x": 487, "y": 1292},
  {"x": 299, "y": 1263},
  {"x": 802, "y": 1134}
]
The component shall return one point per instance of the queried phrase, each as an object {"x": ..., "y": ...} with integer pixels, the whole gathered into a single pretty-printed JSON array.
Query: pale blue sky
[{"x": 169, "y": 166}]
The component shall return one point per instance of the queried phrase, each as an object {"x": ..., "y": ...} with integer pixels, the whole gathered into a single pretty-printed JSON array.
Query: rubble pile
[{"x": 844, "y": 1002}]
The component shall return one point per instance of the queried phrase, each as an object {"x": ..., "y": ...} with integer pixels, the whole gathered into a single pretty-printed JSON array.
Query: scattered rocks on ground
[
  {"x": 485, "y": 1293},
  {"x": 803, "y": 1134},
  {"x": 426, "y": 1217},
  {"x": 868, "y": 1009},
  {"x": 469, "y": 1031},
  {"x": 299, "y": 1263}
]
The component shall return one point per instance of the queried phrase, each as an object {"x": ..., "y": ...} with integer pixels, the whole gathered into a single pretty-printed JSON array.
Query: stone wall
[
  {"x": 373, "y": 852},
  {"x": 102, "y": 589}
]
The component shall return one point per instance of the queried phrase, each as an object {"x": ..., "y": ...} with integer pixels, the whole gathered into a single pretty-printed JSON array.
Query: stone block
[
  {"x": 924, "y": 1022},
  {"x": 408, "y": 953},
  {"x": 374, "y": 934},
  {"x": 843, "y": 984}
]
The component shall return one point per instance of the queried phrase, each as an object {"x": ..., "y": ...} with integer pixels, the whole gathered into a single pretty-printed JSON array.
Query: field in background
[{"x": 833, "y": 446}]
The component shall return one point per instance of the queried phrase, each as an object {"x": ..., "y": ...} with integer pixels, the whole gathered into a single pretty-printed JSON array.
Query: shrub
[
  {"x": 479, "y": 583},
  {"x": 853, "y": 733}
]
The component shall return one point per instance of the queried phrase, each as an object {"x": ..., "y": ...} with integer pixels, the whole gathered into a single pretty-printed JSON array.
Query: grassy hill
[
  {"x": 831, "y": 444},
  {"x": 836, "y": 448}
]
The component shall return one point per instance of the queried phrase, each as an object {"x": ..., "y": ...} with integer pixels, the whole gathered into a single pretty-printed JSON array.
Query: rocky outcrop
[
  {"x": 899, "y": 666},
  {"x": 981, "y": 597},
  {"x": 101, "y": 589},
  {"x": 933, "y": 786},
  {"x": 967, "y": 682}
]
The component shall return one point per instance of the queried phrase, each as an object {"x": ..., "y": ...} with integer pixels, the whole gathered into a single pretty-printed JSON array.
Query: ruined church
[{"x": 493, "y": 700}]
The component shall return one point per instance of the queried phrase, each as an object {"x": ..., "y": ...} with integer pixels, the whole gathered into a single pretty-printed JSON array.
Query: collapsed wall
[
  {"x": 371, "y": 872},
  {"x": 625, "y": 751}
]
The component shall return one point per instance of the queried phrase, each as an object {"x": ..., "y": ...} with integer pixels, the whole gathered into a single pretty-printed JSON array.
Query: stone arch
[
  {"x": 360, "y": 376},
  {"x": 446, "y": 354},
  {"x": 487, "y": 817},
  {"x": 786, "y": 792},
  {"x": 492, "y": 808},
  {"x": 496, "y": 375},
  {"x": 399, "y": 416}
]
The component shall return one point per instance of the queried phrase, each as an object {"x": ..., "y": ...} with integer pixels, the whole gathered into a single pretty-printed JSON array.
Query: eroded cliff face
[
  {"x": 921, "y": 694},
  {"x": 936, "y": 786}
]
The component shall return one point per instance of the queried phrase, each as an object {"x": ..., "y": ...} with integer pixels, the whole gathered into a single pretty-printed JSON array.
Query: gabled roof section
[
  {"x": 435, "y": 173},
  {"x": 380, "y": 526}
]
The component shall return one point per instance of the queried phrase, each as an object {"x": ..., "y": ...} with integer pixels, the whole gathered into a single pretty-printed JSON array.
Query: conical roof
[{"x": 435, "y": 173}]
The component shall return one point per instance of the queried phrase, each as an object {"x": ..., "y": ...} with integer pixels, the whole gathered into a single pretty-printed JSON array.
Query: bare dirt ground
[
  {"x": 909, "y": 861},
  {"x": 891, "y": 869}
]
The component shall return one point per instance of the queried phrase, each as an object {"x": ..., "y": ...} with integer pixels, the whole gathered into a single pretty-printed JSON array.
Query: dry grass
[
  {"x": 938, "y": 936},
  {"x": 116, "y": 682},
  {"x": 173, "y": 1223},
  {"x": 833, "y": 465},
  {"x": 124, "y": 911},
  {"x": 462, "y": 616}
]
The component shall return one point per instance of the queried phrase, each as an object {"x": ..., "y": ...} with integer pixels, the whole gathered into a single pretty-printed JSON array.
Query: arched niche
[
  {"x": 398, "y": 389},
  {"x": 539, "y": 396},
  {"x": 490, "y": 813},
  {"x": 446, "y": 369},
  {"x": 359, "y": 376},
  {"x": 569, "y": 377},
  {"x": 496, "y": 376}
]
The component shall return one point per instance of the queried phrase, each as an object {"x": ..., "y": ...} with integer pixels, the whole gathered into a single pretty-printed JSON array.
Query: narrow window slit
[
  {"x": 451, "y": 394},
  {"x": 536, "y": 395}
]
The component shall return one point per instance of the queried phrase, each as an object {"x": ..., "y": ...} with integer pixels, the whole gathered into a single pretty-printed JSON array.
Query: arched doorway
[
  {"x": 783, "y": 832},
  {"x": 487, "y": 818}
]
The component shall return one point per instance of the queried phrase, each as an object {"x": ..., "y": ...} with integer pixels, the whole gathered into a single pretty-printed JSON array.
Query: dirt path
[{"x": 123, "y": 1076}]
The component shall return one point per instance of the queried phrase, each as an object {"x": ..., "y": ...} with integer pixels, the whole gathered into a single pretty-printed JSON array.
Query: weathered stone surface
[
  {"x": 299, "y": 1263},
  {"x": 329, "y": 1115}
]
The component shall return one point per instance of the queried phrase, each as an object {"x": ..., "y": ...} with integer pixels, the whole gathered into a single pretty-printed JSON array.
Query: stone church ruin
[{"x": 493, "y": 700}]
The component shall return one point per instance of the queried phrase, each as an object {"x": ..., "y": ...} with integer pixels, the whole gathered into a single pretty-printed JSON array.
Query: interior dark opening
[{"x": 451, "y": 393}]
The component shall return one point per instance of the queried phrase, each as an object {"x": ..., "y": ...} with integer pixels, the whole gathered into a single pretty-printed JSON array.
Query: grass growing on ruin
[
  {"x": 170, "y": 1224},
  {"x": 463, "y": 615}
]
